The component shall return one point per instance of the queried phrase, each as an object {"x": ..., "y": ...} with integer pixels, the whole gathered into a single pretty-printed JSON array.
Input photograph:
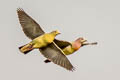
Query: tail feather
[{"x": 26, "y": 48}]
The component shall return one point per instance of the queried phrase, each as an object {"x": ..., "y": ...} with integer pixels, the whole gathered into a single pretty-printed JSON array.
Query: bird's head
[
  {"x": 56, "y": 32},
  {"x": 78, "y": 43},
  {"x": 81, "y": 40}
]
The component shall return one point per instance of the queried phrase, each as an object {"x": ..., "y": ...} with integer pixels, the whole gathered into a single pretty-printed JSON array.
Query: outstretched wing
[
  {"x": 55, "y": 54},
  {"x": 52, "y": 51},
  {"x": 29, "y": 26},
  {"x": 62, "y": 44}
]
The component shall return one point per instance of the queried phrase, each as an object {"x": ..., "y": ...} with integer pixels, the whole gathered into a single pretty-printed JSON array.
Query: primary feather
[{"x": 30, "y": 27}]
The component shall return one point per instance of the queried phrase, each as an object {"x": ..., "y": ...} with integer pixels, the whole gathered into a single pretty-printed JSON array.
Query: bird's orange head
[
  {"x": 78, "y": 43},
  {"x": 80, "y": 40}
]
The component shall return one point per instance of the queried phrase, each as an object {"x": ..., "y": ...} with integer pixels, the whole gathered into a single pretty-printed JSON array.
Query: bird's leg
[{"x": 94, "y": 43}]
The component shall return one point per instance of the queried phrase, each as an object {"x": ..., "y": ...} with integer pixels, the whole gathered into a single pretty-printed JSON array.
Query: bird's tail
[{"x": 26, "y": 48}]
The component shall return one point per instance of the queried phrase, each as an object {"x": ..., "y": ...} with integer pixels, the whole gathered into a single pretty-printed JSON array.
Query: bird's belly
[
  {"x": 43, "y": 41},
  {"x": 40, "y": 43}
]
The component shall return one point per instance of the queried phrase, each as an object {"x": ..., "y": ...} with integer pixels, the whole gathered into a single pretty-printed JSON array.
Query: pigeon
[
  {"x": 39, "y": 42},
  {"x": 71, "y": 47},
  {"x": 33, "y": 30}
]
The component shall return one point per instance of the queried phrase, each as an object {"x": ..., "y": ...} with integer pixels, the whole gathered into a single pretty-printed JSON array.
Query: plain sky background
[{"x": 95, "y": 20}]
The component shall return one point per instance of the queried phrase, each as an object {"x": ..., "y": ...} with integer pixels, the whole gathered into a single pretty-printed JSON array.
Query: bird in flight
[
  {"x": 39, "y": 42},
  {"x": 71, "y": 47},
  {"x": 56, "y": 51},
  {"x": 33, "y": 30}
]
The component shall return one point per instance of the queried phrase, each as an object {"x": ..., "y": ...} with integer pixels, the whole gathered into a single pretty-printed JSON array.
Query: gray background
[{"x": 95, "y": 20}]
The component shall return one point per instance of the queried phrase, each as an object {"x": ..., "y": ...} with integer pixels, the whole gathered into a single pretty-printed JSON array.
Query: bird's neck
[{"x": 53, "y": 34}]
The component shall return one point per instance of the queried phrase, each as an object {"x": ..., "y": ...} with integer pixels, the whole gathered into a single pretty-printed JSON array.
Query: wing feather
[
  {"x": 55, "y": 54},
  {"x": 30, "y": 27},
  {"x": 61, "y": 43},
  {"x": 52, "y": 51}
]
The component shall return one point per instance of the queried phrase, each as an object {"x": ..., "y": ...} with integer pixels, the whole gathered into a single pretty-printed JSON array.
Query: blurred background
[{"x": 95, "y": 20}]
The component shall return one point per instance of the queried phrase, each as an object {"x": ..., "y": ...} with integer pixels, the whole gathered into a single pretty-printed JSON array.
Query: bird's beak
[
  {"x": 58, "y": 32},
  {"x": 83, "y": 41}
]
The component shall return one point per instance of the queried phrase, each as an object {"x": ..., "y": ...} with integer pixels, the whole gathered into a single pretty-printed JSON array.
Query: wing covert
[{"x": 62, "y": 44}]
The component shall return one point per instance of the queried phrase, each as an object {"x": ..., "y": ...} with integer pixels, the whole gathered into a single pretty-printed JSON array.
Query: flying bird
[
  {"x": 70, "y": 47},
  {"x": 39, "y": 42},
  {"x": 76, "y": 45},
  {"x": 33, "y": 30}
]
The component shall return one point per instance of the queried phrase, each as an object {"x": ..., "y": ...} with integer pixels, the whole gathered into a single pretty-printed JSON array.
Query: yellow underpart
[
  {"x": 43, "y": 40},
  {"x": 68, "y": 50}
]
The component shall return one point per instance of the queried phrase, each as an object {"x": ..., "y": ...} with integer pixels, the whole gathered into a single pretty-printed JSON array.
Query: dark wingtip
[{"x": 73, "y": 69}]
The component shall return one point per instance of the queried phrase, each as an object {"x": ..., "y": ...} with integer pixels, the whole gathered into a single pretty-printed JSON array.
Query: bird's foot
[{"x": 47, "y": 61}]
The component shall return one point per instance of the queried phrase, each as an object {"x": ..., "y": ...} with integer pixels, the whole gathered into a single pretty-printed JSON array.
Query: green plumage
[
  {"x": 32, "y": 30},
  {"x": 68, "y": 50},
  {"x": 39, "y": 42},
  {"x": 55, "y": 51}
]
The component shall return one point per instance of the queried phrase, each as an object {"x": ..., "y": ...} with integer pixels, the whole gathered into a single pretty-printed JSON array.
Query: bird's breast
[
  {"x": 48, "y": 38},
  {"x": 76, "y": 46}
]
